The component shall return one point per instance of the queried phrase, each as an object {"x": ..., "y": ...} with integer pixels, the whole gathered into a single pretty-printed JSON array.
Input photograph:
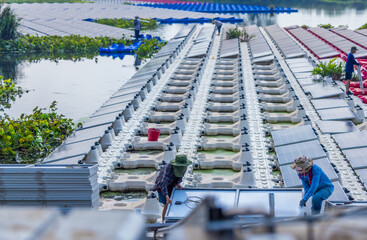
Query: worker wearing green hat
[{"x": 168, "y": 178}]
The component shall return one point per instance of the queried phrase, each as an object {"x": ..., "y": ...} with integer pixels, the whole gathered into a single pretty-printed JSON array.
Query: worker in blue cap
[
  {"x": 168, "y": 178},
  {"x": 349, "y": 69},
  {"x": 315, "y": 182}
]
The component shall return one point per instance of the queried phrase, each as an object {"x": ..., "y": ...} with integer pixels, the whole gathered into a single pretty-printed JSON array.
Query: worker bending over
[
  {"x": 169, "y": 177},
  {"x": 315, "y": 182}
]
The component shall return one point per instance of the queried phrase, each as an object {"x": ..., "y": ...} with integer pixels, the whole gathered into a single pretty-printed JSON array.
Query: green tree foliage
[
  {"x": 9, "y": 23},
  {"x": 146, "y": 24},
  {"x": 32, "y": 137}
]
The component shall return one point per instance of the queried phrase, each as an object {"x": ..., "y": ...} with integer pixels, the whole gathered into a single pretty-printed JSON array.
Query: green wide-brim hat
[{"x": 180, "y": 161}]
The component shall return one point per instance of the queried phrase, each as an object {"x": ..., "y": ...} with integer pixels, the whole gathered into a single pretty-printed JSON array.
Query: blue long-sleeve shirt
[
  {"x": 166, "y": 180},
  {"x": 351, "y": 61},
  {"x": 319, "y": 181}
]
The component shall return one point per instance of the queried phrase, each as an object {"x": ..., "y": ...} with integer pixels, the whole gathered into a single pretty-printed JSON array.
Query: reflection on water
[
  {"x": 312, "y": 17},
  {"x": 79, "y": 87}
]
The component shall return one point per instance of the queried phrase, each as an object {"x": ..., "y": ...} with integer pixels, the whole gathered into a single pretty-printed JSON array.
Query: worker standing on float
[
  {"x": 168, "y": 178},
  {"x": 315, "y": 182},
  {"x": 349, "y": 69},
  {"x": 137, "y": 27}
]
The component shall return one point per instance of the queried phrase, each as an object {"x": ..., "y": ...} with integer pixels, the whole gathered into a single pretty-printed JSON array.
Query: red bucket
[{"x": 153, "y": 134}]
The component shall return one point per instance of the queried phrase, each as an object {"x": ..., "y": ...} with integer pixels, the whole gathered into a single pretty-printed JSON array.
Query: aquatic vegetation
[
  {"x": 146, "y": 24},
  {"x": 52, "y": 44},
  {"x": 9, "y": 23},
  {"x": 331, "y": 69},
  {"x": 73, "y": 45},
  {"x": 364, "y": 26},
  {"x": 326, "y": 26},
  {"x": 32, "y": 137},
  {"x": 8, "y": 92},
  {"x": 149, "y": 47}
]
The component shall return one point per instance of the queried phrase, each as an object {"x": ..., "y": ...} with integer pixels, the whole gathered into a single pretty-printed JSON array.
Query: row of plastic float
[{"x": 169, "y": 114}]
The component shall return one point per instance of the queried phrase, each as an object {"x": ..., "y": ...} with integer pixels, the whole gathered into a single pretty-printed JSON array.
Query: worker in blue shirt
[
  {"x": 349, "y": 68},
  {"x": 315, "y": 182},
  {"x": 168, "y": 178}
]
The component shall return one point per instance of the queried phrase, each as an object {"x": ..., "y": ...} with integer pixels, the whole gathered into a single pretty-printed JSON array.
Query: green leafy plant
[
  {"x": 146, "y": 24},
  {"x": 304, "y": 26},
  {"x": 9, "y": 23},
  {"x": 238, "y": 33},
  {"x": 32, "y": 137},
  {"x": 8, "y": 92},
  {"x": 326, "y": 26},
  {"x": 331, "y": 69},
  {"x": 364, "y": 26}
]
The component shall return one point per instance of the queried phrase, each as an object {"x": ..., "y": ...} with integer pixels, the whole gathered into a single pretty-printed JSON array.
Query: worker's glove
[{"x": 302, "y": 203}]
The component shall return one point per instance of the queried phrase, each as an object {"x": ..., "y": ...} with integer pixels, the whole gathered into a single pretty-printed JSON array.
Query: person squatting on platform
[
  {"x": 349, "y": 69},
  {"x": 169, "y": 177},
  {"x": 315, "y": 182}
]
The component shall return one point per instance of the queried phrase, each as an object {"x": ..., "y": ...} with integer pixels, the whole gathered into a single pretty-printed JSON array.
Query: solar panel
[
  {"x": 291, "y": 178},
  {"x": 293, "y": 135},
  {"x": 312, "y": 149},
  {"x": 329, "y": 103},
  {"x": 338, "y": 193},
  {"x": 325, "y": 92},
  {"x": 335, "y": 127},
  {"x": 357, "y": 157},
  {"x": 345, "y": 113},
  {"x": 351, "y": 140},
  {"x": 362, "y": 173}
]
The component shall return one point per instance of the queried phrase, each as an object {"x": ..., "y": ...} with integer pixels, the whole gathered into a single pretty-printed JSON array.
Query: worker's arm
[
  {"x": 354, "y": 61},
  {"x": 305, "y": 184},
  {"x": 314, "y": 185}
]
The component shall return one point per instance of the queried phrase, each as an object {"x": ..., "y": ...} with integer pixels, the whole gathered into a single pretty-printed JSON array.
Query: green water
[
  {"x": 135, "y": 171},
  {"x": 146, "y": 152},
  {"x": 220, "y": 137},
  {"x": 224, "y": 123},
  {"x": 128, "y": 195},
  {"x": 285, "y": 123},
  {"x": 217, "y": 172},
  {"x": 219, "y": 152}
]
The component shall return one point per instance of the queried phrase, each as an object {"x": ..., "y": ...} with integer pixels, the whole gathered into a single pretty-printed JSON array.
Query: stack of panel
[
  {"x": 108, "y": 120},
  {"x": 339, "y": 42},
  {"x": 319, "y": 48},
  {"x": 258, "y": 45},
  {"x": 287, "y": 46},
  {"x": 352, "y": 35},
  {"x": 44, "y": 185},
  {"x": 293, "y": 142}
]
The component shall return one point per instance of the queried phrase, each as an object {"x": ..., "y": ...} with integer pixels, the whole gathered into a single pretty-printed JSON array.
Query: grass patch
[
  {"x": 135, "y": 171},
  {"x": 217, "y": 172},
  {"x": 220, "y": 137},
  {"x": 147, "y": 152},
  {"x": 219, "y": 152},
  {"x": 127, "y": 195}
]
